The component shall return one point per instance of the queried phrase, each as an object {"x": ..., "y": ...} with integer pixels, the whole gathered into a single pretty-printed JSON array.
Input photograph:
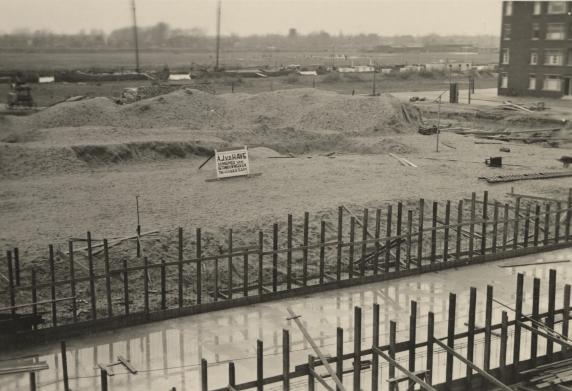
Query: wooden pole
[
  {"x": 245, "y": 272},
  {"x": 199, "y": 266},
  {"x": 450, "y": 339},
  {"x": 107, "y": 278},
  {"x": 204, "y": 375},
  {"x": 72, "y": 280},
  {"x": 285, "y": 360},
  {"x": 91, "y": 278},
  {"x": 32, "y": 381},
  {"x": 163, "y": 285},
  {"x": 488, "y": 325},
  {"x": 259, "y": 365},
  {"x": 409, "y": 238},
  {"x": 392, "y": 351},
  {"x": 363, "y": 244},
  {"x": 260, "y": 262},
  {"x": 11, "y": 281},
  {"x": 180, "y": 268},
  {"x": 412, "y": 339},
  {"x": 551, "y": 309},
  {"x": 430, "y": 337},
  {"x": 503, "y": 345},
  {"x": 495, "y": 226},
  {"x": 505, "y": 227},
  {"x": 275, "y": 258},
  {"x": 34, "y": 298},
  {"x": 305, "y": 250},
  {"x": 387, "y": 241},
  {"x": 459, "y": 230},
  {"x": 377, "y": 236},
  {"x": 518, "y": 317},
  {"x": 434, "y": 234},
  {"x": 566, "y": 313},
  {"x": 515, "y": 224},
  {"x": 357, "y": 348},
  {"x": 146, "y": 284},
  {"x": 289, "y": 254},
  {"x": 65, "y": 366},
  {"x": 125, "y": 287},
  {"x": 216, "y": 290},
  {"x": 446, "y": 233},
  {"x": 568, "y": 215},
  {"x": 311, "y": 380},
  {"x": 103, "y": 376},
  {"x": 535, "y": 317},
  {"x": 393, "y": 362},
  {"x": 53, "y": 286},
  {"x": 339, "y": 356},
  {"x": 231, "y": 375},
  {"x": 398, "y": 233},
  {"x": 557, "y": 222},
  {"x": 322, "y": 250},
  {"x": 420, "y": 234},
  {"x": 484, "y": 225},
  {"x": 375, "y": 343},
  {"x": 339, "y": 245},
  {"x": 351, "y": 248},
  {"x": 230, "y": 264},
  {"x": 471, "y": 334},
  {"x": 546, "y": 224},
  {"x": 472, "y": 226},
  {"x": 17, "y": 265}
]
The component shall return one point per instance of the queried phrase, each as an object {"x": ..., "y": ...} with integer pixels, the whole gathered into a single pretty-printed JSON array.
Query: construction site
[{"x": 310, "y": 229}]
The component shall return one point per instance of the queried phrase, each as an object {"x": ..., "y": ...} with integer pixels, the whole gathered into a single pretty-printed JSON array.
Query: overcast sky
[{"x": 244, "y": 17}]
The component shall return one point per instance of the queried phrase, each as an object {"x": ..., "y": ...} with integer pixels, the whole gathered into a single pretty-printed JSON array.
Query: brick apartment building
[{"x": 536, "y": 49}]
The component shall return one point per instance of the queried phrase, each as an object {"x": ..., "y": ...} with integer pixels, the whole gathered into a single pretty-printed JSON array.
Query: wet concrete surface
[{"x": 167, "y": 354}]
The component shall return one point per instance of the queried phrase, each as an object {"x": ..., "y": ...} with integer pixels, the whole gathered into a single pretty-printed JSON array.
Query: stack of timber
[
  {"x": 508, "y": 105},
  {"x": 546, "y": 377},
  {"x": 522, "y": 177},
  {"x": 528, "y": 136}
]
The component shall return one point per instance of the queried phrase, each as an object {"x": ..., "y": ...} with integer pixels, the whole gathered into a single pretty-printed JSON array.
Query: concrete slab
[{"x": 167, "y": 354}]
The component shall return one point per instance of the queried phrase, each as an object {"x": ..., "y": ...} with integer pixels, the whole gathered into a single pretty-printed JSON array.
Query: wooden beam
[
  {"x": 35, "y": 367},
  {"x": 549, "y": 337},
  {"x": 407, "y": 373},
  {"x": 483, "y": 373},
  {"x": 309, "y": 338}
]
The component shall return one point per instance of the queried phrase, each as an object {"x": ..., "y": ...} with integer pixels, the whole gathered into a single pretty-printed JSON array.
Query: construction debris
[
  {"x": 557, "y": 374},
  {"x": 566, "y": 160},
  {"x": 494, "y": 161},
  {"x": 523, "y": 177},
  {"x": 402, "y": 160}
]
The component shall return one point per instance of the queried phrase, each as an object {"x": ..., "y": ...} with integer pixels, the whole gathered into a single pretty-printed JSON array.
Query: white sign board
[{"x": 232, "y": 162}]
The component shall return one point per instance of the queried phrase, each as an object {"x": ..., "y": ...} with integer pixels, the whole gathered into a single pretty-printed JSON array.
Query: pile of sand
[{"x": 299, "y": 109}]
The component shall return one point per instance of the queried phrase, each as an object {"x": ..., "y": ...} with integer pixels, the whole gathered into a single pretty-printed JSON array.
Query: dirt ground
[{"x": 78, "y": 167}]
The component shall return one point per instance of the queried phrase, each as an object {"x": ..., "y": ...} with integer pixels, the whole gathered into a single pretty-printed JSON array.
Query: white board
[{"x": 232, "y": 162}]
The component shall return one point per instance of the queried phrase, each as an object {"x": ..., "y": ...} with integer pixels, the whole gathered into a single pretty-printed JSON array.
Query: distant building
[{"x": 536, "y": 48}]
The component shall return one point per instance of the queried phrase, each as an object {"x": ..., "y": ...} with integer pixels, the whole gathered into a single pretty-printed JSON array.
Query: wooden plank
[
  {"x": 549, "y": 337},
  {"x": 339, "y": 245},
  {"x": 231, "y": 265},
  {"x": 91, "y": 278},
  {"x": 533, "y": 197},
  {"x": 505, "y": 227},
  {"x": 10, "y": 280},
  {"x": 23, "y": 368},
  {"x": 315, "y": 347},
  {"x": 495, "y": 227},
  {"x": 364, "y": 244},
  {"x": 125, "y": 287},
  {"x": 275, "y": 257},
  {"x": 459, "y": 230},
  {"x": 472, "y": 227},
  {"x": 536, "y": 225},
  {"x": 515, "y": 224},
  {"x": 127, "y": 364},
  {"x": 566, "y": 313},
  {"x": 204, "y": 375},
  {"x": 261, "y": 264},
  {"x": 146, "y": 284},
  {"x": 503, "y": 345},
  {"x": 163, "y": 281},
  {"x": 259, "y": 365},
  {"x": 351, "y": 249},
  {"x": 322, "y": 251},
  {"x": 392, "y": 352},
  {"x": 72, "y": 281},
  {"x": 551, "y": 309},
  {"x": 557, "y": 222},
  {"x": 470, "y": 364}
]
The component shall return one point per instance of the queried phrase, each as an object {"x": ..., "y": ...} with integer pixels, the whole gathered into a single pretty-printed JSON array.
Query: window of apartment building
[
  {"x": 505, "y": 56},
  {"x": 556, "y": 7},
  {"x": 537, "y": 8},
  {"x": 534, "y": 57},
  {"x": 532, "y": 82},
  {"x": 508, "y": 8},
  {"x": 552, "y": 83},
  {"x": 504, "y": 80},
  {"x": 555, "y": 31},
  {"x": 536, "y": 31},
  {"x": 553, "y": 57},
  {"x": 506, "y": 31}
]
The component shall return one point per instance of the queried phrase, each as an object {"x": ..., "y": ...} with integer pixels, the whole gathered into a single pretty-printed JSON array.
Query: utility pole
[
  {"x": 438, "y": 123},
  {"x": 135, "y": 36},
  {"x": 218, "y": 12},
  {"x": 373, "y": 93}
]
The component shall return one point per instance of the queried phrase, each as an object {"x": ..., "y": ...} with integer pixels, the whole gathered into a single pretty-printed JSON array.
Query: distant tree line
[{"x": 163, "y": 36}]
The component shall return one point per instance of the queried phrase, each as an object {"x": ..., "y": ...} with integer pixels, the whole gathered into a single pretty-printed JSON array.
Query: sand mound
[{"x": 299, "y": 109}]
